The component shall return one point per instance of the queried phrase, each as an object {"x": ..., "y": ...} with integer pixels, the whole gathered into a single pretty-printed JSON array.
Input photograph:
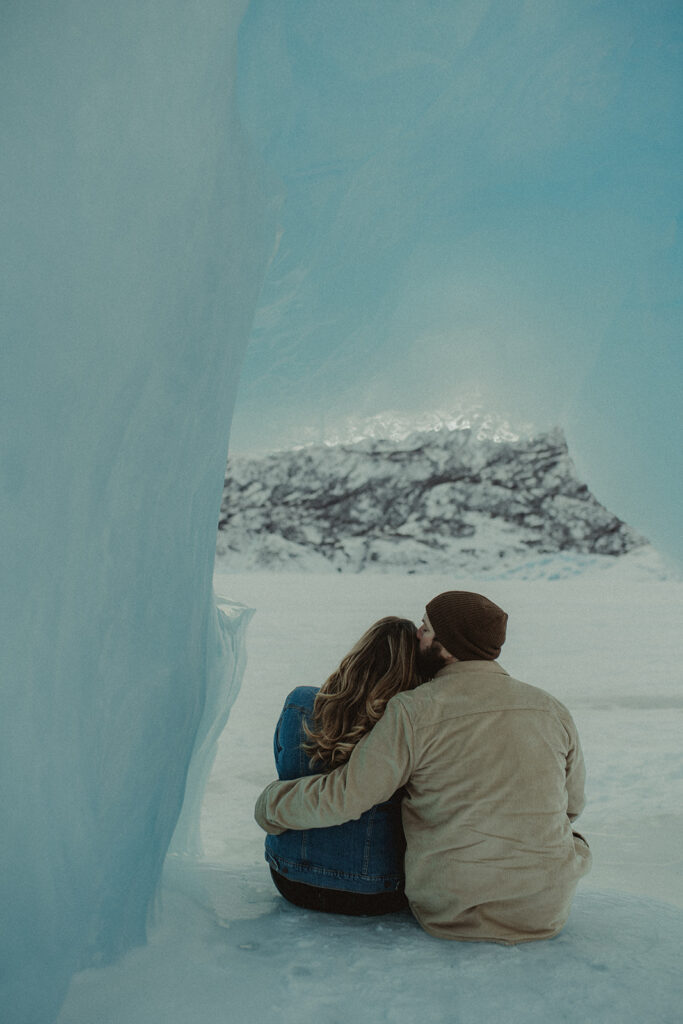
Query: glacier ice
[
  {"x": 135, "y": 236},
  {"x": 482, "y": 199},
  {"x": 426, "y": 181}
]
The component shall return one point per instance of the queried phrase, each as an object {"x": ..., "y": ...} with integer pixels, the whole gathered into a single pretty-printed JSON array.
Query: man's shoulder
[
  {"x": 475, "y": 688},
  {"x": 538, "y": 695}
]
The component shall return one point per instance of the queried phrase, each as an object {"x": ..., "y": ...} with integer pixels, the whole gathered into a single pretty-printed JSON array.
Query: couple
[{"x": 421, "y": 774}]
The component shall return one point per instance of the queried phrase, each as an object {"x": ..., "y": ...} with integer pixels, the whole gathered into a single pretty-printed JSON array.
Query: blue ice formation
[
  {"x": 134, "y": 246},
  {"x": 482, "y": 194},
  {"x": 482, "y": 198}
]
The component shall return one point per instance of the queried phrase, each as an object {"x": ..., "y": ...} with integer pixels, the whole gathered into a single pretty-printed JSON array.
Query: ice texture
[
  {"x": 482, "y": 199},
  {"x": 134, "y": 245}
]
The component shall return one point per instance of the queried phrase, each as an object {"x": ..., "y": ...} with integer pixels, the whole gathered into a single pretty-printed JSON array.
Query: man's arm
[
  {"x": 379, "y": 765},
  {"x": 575, "y": 774}
]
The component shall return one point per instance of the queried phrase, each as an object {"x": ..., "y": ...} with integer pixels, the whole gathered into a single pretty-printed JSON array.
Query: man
[{"x": 493, "y": 775}]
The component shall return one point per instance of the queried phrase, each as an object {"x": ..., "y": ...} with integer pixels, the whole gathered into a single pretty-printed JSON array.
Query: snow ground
[{"x": 226, "y": 947}]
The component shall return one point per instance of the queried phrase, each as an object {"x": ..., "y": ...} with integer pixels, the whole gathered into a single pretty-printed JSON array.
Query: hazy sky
[{"x": 477, "y": 198}]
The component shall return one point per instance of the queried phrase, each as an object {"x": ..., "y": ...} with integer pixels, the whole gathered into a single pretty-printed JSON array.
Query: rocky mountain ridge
[{"x": 437, "y": 500}]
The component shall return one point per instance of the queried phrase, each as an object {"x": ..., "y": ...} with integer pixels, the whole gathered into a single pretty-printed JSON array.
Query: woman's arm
[{"x": 291, "y": 760}]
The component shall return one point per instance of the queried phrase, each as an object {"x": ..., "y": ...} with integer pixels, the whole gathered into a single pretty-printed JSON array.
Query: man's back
[{"x": 497, "y": 773}]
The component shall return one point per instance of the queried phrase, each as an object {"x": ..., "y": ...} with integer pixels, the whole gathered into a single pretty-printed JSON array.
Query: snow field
[{"x": 227, "y": 947}]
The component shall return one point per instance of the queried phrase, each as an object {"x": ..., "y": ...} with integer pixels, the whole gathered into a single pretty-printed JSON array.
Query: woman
[{"x": 355, "y": 868}]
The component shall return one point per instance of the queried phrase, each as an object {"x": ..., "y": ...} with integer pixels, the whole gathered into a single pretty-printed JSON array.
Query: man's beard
[{"x": 430, "y": 661}]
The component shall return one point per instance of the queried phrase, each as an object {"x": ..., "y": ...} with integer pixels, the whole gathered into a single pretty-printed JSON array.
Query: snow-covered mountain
[{"x": 435, "y": 500}]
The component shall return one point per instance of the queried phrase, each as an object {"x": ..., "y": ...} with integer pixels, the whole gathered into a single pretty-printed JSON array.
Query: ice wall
[
  {"x": 134, "y": 245},
  {"x": 482, "y": 199}
]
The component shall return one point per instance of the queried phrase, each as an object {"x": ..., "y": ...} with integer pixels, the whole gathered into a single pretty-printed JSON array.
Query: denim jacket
[{"x": 365, "y": 855}]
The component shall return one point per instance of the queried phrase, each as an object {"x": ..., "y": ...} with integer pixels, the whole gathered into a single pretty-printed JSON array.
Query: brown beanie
[{"x": 469, "y": 626}]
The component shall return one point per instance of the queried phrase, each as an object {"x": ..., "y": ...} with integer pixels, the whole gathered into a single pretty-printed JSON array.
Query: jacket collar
[{"x": 457, "y": 668}]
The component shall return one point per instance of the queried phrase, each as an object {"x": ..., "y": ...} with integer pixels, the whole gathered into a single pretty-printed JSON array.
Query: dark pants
[{"x": 337, "y": 901}]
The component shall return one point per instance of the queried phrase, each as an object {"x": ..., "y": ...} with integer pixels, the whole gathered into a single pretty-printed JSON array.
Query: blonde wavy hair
[{"x": 348, "y": 704}]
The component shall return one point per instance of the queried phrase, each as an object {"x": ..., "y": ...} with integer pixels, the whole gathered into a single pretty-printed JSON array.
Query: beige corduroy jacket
[{"x": 493, "y": 775}]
